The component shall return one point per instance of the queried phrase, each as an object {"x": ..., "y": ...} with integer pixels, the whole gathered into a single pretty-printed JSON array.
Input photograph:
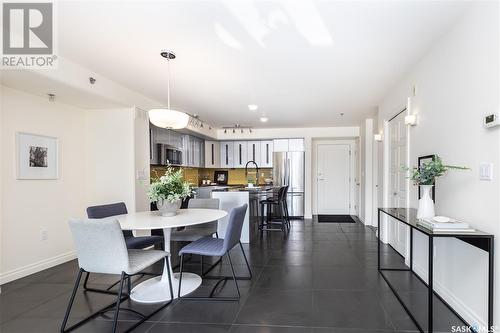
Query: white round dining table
[{"x": 156, "y": 290}]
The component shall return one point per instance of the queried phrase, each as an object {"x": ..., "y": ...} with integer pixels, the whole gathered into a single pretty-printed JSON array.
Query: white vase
[
  {"x": 425, "y": 204},
  {"x": 167, "y": 208}
]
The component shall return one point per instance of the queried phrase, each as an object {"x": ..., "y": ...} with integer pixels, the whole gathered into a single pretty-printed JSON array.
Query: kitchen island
[{"x": 233, "y": 196}]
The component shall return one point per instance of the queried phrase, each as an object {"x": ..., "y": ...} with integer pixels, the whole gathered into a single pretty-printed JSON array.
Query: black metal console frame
[{"x": 478, "y": 239}]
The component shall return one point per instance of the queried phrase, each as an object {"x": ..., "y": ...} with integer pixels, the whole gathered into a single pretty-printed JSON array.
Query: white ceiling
[{"x": 302, "y": 62}]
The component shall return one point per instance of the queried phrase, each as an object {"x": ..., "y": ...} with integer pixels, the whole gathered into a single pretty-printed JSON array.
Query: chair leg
[
  {"x": 72, "y": 299},
  {"x": 246, "y": 261},
  {"x": 85, "y": 281},
  {"x": 261, "y": 227},
  {"x": 282, "y": 218},
  {"x": 118, "y": 301},
  {"x": 234, "y": 275},
  {"x": 180, "y": 277},
  {"x": 287, "y": 215}
]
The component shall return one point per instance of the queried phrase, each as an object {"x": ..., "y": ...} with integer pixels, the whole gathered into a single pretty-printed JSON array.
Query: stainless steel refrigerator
[{"x": 289, "y": 169}]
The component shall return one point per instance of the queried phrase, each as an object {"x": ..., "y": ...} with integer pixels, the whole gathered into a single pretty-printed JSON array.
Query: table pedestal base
[{"x": 157, "y": 290}]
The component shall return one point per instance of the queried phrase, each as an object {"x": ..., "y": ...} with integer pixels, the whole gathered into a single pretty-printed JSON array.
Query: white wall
[
  {"x": 33, "y": 205},
  {"x": 110, "y": 162},
  {"x": 308, "y": 134},
  {"x": 366, "y": 181},
  {"x": 1, "y": 180},
  {"x": 456, "y": 84},
  {"x": 362, "y": 157},
  {"x": 141, "y": 159}
]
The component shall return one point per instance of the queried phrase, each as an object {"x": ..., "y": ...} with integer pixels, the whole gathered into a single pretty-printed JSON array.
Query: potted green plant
[
  {"x": 168, "y": 191},
  {"x": 250, "y": 182},
  {"x": 425, "y": 177}
]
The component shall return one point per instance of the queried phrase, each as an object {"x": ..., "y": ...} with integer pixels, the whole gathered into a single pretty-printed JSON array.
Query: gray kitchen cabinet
[
  {"x": 193, "y": 151},
  {"x": 198, "y": 152},
  {"x": 187, "y": 158},
  {"x": 212, "y": 154},
  {"x": 226, "y": 154}
]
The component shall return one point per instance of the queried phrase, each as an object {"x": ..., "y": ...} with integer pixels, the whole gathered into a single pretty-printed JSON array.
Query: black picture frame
[
  {"x": 221, "y": 177},
  {"x": 421, "y": 161}
]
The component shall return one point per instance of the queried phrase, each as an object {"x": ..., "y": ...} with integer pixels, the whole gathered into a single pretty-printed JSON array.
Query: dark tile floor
[{"x": 319, "y": 278}]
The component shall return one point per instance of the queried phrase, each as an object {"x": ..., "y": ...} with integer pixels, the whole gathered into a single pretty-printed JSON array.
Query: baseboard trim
[
  {"x": 36, "y": 267},
  {"x": 460, "y": 307}
]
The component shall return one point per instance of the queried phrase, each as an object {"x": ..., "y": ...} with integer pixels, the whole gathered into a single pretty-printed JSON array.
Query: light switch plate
[
  {"x": 140, "y": 175},
  {"x": 486, "y": 171}
]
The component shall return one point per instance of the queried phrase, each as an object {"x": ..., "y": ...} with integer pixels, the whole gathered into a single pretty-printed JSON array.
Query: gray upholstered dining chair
[
  {"x": 119, "y": 208},
  {"x": 132, "y": 242},
  {"x": 101, "y": 248},
  {"x": 195, "y": 232},
  {"x": 216, "y": 247}
]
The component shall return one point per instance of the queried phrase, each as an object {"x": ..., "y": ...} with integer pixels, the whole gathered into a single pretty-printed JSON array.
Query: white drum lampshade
[{"x": 167, "y": 118}]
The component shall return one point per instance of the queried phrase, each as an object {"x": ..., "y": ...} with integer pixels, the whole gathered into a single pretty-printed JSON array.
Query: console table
[{"x": 477, "y": 238}]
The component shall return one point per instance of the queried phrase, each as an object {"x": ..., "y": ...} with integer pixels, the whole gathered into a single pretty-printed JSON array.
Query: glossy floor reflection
[{"x": 318, "y": 278}]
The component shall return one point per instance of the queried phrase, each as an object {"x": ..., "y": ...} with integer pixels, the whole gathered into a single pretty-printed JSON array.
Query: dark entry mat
[{"x": 335, "y": 219}]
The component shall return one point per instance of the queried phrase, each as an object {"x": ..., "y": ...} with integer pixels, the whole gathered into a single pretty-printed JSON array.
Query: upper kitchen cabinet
[
  {"x": 253, "y": 152},
  {"x": 296, "y": 145},
  {"x": 212, "y": 154},
  {"x": 193, "y": 151},
  {"x": 284, "y": 145},
  {"x": 167, "y": 137},
  {"x": 266, "y": 154},
  {"x": 240, "y": 154},
  {"x": 226, "y": 154},
  {"x": 280, "y": 145}
]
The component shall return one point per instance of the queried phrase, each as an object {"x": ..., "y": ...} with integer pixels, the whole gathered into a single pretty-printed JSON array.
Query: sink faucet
[{"x": 256, "y": 174}]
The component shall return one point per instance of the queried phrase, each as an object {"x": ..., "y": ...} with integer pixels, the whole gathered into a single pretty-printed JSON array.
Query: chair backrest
[
  {"x": 234, "y": 226},
  {"x": 207, "y": 204},
  {"x": 204, "y": 203},
  {"x": 282, "y": 193},
  {"x": 103, "y": 211},
  {"x": 100, "y": 245}
]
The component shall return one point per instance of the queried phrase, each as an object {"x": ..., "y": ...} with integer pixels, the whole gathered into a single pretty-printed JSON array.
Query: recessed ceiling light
[
  {"x": 253, "y": 107},
  {"x": 264, "y": 119}
]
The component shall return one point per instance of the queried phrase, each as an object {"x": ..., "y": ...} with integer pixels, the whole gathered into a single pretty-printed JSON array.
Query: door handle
[{"x": 395, "y": 193}]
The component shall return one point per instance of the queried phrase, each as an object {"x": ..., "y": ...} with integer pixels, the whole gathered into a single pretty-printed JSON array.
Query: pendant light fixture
[{"x": 168, "y": 118}]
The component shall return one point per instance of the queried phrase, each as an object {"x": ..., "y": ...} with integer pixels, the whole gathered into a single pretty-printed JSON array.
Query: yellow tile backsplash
[{"x": 235, "y": 176}]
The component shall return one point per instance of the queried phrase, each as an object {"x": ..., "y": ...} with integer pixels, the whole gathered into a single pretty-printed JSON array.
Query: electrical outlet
[{"x": 44, "y": 235}]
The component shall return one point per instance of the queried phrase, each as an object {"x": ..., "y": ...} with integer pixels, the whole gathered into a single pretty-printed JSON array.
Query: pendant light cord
[{"x": 168, "y": 82}]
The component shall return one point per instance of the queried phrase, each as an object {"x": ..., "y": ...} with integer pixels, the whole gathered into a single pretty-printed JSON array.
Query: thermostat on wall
[{"x": 491, "y": 120}]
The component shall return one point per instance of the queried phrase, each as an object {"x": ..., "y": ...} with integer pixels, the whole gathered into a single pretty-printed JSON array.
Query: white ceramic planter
[
  {"x": 167, "y": 208},
  {"x": 425, "y": 204}
]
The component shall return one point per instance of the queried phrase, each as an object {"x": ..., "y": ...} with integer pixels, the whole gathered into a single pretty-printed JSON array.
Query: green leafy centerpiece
[
  {"x": 168, "y": 191},
  {"x": 425, "y": 176}
]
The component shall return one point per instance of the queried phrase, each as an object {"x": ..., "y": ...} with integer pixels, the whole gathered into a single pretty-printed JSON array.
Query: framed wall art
[{"x": 37, "y": 156}]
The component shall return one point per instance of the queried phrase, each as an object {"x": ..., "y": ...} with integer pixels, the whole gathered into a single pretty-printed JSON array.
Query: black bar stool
[{"x": 279, "y": 205}]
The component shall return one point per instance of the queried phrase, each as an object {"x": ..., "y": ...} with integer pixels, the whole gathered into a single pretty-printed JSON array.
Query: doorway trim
[
  {"x": 386, "y": 173},
  {"x": 352, "y": 170}
]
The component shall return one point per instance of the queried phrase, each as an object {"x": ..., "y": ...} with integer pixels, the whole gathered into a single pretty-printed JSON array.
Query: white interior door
[
  {"x": 333, "y": 174},
  {"x": 397, "y": 180}
]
